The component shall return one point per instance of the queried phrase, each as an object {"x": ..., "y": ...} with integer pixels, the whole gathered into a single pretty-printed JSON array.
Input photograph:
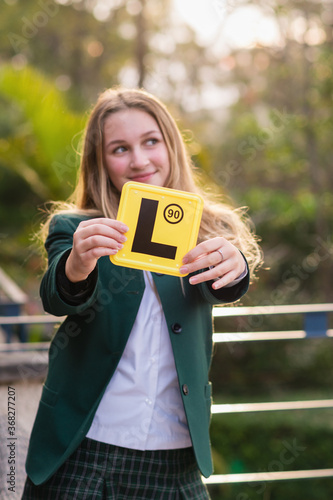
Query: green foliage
[
  {"x": 276, "y": 158},
  {"x": 41, "y": 147},
  {"x": 272, "y": 369},
  {"x": 67, "y": 43},
  {"x": 272, "y": 442},
  {"x": 39, "y": 137}
]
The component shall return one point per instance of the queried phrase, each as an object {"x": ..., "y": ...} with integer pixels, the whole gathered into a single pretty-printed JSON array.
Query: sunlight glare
[
  {"x": 248, "y": 26},
  {"x": 225, "y": 28},
  {"x": 200, "y": 16}
]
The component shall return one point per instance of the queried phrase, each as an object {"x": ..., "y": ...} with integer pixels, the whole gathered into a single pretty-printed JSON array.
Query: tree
[
  {"x": 276, "y": 153},
  {"x": 270, "y": 150}
]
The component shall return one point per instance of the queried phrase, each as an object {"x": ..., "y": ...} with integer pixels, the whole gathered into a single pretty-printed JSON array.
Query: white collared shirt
[{"x": 142, "y": 406}]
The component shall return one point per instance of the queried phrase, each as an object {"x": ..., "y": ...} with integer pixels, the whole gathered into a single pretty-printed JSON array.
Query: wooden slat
[
  {"x": 24, "y": 346},
  {"x": 219, "y": 311},
  {"x": 255, "y": 336},
  {"x": 267, "y": 476},
  {"x": 271, "y": 406},
  {"x": 30, "y": 320},
  {"x": 251, "y": 336},
  {"x": 11, "y": 290}
]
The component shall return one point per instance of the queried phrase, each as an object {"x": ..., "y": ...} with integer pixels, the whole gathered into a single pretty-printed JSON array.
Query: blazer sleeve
[
  {"x": 74, "y": 293},
  {"x": 58, "y": 243}
]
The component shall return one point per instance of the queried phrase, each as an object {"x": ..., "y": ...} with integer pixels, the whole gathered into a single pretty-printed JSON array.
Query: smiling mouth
[{"x": 145, "y": 175}]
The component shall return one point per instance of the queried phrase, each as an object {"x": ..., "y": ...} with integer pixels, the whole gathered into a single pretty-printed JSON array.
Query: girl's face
[{"x": 134, "y": 149}]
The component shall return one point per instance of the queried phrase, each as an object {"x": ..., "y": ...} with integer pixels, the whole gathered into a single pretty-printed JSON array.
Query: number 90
[{"x": 173, "y": 214}]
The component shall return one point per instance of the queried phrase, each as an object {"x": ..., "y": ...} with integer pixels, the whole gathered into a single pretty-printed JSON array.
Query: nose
[{"x": 139, "y": 159}]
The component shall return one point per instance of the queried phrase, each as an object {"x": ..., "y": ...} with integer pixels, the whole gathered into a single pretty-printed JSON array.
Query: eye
[
  {"x": 119, "y": 150},
  {"x": 152, "y": 141}
]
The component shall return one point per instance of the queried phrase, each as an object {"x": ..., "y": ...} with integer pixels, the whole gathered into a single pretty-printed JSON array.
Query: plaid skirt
[{"x": 98, "y": 471}]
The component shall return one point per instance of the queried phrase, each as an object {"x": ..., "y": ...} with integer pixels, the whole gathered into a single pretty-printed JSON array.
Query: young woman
[{"x": 125, "y": 408}]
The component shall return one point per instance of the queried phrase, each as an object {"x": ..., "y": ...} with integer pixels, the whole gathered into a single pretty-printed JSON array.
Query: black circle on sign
[{"x": 173, "y": 213}]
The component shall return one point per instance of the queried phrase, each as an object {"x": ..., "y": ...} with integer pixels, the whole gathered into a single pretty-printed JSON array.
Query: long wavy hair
[{"x": 95, "y": 195}]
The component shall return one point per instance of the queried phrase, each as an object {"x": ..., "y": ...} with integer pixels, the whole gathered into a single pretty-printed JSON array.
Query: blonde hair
[{"x": 95, "y": 195}]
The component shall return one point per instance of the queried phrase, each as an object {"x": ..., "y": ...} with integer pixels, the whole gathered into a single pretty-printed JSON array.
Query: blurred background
[{"x": 251, "y": 87}]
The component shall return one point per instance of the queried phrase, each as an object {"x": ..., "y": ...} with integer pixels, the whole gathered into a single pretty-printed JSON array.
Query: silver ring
[{"x": 219, "y": 250}]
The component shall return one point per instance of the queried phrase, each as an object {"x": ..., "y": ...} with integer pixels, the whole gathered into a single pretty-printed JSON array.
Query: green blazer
[{"x": 88, "y": 345}]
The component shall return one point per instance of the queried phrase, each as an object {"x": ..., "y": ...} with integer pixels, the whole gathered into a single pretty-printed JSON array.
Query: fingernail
[
  {"x": 123, "y": 238},
  {"x": 120, "y": 246},
  {"x": 193, "y": 281},
  {"x": 183, "y": 270},
  {"x": 124, "y": 228}
]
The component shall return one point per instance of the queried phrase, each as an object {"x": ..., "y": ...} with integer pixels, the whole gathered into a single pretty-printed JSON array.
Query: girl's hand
[
  {"x": 227, "y": 261},
  {"x": 93, "y": 239}
]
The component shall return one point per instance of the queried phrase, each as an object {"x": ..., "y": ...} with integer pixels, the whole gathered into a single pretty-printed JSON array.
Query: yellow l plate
[{"x": 163, "y": 226}]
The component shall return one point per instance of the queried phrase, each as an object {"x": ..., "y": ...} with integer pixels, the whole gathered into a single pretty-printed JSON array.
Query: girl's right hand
[{"x": 93, "y": 239}]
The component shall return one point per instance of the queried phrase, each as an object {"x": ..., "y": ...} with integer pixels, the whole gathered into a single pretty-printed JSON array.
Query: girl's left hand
[{"x": 227, "y": 261}]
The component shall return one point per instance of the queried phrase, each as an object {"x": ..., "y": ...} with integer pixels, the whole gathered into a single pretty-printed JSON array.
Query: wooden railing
[
  {"x": 315, "y": 325},
  {"x": 12, "y": 298}
]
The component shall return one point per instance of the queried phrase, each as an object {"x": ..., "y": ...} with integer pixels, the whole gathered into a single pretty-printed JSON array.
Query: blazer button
[
  {"x": 176, "y": 328},
  {"x": 185, "y": 389}
]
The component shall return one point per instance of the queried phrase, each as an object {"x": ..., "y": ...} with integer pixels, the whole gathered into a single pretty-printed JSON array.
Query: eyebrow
[{"x": 122, "y": 141}]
